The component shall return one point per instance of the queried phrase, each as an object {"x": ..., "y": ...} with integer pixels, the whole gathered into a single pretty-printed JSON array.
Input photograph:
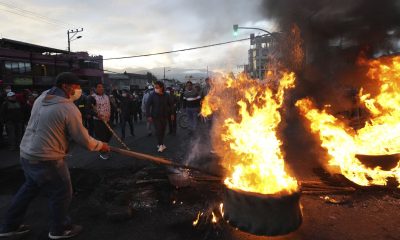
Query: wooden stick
[{"x": 158, "y": 160}]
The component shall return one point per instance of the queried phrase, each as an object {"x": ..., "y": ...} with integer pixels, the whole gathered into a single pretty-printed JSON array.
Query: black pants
[
  {"x": 135, "y": 116},
  {"x": 172, "y": 124},
  {"x": 125, "y": 120},
  {"x": 114, "y": 117},
  {"x": 14, "y": 133},
  {"x": 140, "y": 114},
  {"x": 160, "y": 124},
  {"x": 101, "y": 131},
  {"x": 90, "y": 126}
]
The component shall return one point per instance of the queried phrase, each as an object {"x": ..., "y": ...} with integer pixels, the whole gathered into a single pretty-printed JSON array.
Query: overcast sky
[{"x": 132, "y": 27}]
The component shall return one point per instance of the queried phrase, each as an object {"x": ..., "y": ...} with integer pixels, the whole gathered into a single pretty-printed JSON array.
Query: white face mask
[
  {"x": 77, "y": 94},
  {"x": 158, "y": 90}
]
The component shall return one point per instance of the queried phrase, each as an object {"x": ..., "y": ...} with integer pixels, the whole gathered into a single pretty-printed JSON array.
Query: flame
[
  {"x": 379, "y": 136},
  {"x": 221, "y": 209},
  {"x": 245, "y": 134},
  {"x": 214, "y": 218},
  {"x": 195, "y": 222}
]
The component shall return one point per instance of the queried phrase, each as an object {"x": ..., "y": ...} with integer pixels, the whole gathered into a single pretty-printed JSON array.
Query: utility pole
[{"x": 71, "y": 38}]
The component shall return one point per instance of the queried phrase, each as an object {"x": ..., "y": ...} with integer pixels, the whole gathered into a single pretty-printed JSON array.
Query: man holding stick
[{"x": 54, "y": 121}]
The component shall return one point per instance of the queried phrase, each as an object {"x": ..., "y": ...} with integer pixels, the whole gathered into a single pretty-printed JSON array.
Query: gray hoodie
[{"x": 54, "y": 121}]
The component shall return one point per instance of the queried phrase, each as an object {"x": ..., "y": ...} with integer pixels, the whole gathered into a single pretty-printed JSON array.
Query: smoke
[{"x": 335, "y": 33}]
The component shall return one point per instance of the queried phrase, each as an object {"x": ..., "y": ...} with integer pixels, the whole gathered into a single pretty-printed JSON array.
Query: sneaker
[
  {"x": 69, "y": 233},
  {"x": 22, "y": 229},
  {"x": 161, "y": 148},
  {"x": 104, "y": 156}
]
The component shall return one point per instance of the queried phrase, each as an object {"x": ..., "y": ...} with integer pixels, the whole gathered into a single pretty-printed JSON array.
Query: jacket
[
  {"x": 191, "y": 99},
  {"x": 158, "y": 106},
  {"x": 54, "y": 121}
]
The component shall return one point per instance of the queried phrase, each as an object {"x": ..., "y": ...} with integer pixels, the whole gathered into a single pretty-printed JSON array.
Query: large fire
[
  {"x": 246, "y": 118},
  {"x": 379, "y": 136}
]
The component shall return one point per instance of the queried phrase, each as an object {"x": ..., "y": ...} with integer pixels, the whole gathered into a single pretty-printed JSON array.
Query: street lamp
[
  {"x": 71, "y": 38},
  {"x": 236, "y": 28},
  {"x": 164, "y": 72}
]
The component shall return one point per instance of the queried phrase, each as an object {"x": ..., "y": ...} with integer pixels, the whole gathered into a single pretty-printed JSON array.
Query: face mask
[
  {"x": 124, "y": 94},
  {"x": 77, "y": 94}
]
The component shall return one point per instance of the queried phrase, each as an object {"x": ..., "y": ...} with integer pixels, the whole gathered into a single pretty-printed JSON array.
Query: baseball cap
[
  {"x": 10, "y": 94},
  {"x": 68, "y": 78}
]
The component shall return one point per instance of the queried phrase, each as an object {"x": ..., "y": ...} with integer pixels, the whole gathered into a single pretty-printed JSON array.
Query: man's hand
[
  {"x": 150, "y": 119},
  {"x": 105, "y": 147}
]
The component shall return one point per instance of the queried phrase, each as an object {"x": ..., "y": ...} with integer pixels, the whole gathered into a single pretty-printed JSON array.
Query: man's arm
[{"x": 80, "y": 134}]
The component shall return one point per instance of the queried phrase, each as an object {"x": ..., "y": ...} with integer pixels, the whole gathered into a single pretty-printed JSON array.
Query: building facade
[
  {"x": 128, "y": 81},
  {"x": 262, "y": 52},
  {"x": 26, "y": 65}
]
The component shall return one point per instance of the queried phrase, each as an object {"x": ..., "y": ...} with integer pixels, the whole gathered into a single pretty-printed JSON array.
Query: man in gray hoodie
[{"x": 55, "y": 120}]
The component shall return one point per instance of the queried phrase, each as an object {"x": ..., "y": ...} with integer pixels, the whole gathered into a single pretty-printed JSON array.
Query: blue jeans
[
  {"x": 51, "y": 177},
  {"x": 192, "y": 117}
]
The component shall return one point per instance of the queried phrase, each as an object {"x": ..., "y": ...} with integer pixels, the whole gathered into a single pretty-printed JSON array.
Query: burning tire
[{"x": 262, "y": 214}]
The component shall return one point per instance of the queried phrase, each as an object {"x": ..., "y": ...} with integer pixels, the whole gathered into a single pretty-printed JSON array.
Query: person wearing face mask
[
  {"x": 158, "y": 110},
  {"x": 12, "y": 115},
  {"x": 127, "y": 109},
  {"x": 55, "y": 120}
]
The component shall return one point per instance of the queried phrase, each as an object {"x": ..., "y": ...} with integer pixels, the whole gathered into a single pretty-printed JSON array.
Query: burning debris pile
[
  {"x": 379, "y": 136},
  {"x": 349, "y": 101},
  {"x": 260, "y": 196}
]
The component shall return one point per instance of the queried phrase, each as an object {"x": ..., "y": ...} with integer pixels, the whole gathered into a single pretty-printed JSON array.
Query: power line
[
  {"x": 26, "y": 13},
  {"x": 174, "y": 51}
]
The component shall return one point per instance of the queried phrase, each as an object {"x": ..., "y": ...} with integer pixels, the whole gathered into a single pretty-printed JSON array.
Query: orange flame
[
  {"x": 246, "y": 119},
  {"x": 379, "y": 136}
]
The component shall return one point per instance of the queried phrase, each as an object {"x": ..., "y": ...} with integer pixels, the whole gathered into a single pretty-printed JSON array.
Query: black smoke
[{"x": 335, "y": 34}]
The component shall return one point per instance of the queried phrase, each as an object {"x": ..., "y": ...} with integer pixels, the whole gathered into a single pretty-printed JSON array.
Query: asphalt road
[{"x": 125, "y": 198}]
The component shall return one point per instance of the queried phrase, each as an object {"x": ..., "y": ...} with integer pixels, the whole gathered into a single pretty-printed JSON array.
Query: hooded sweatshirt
[{"x": 54, "y": 121}]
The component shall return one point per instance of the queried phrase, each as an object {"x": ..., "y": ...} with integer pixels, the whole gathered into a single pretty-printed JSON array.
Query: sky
[{"x": 133, "y": 27}]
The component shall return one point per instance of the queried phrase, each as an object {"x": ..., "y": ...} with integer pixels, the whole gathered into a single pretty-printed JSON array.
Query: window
[{"x": 17, "y": 67}]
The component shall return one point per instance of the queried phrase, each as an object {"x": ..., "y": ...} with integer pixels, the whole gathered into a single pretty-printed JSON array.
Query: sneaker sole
[
  {"x": 14, "y": 233},
  {"x": 62, "y": 237}
]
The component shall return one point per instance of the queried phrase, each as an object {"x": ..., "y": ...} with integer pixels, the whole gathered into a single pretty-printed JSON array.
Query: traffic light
[{"x": 235, "y": 29}]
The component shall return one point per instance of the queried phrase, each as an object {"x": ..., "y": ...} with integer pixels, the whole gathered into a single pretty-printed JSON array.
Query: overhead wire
[
  {"x": 180, "y": 50},
  {"x": 26, "y": 13},
  {"x": 29, "y": 14}
]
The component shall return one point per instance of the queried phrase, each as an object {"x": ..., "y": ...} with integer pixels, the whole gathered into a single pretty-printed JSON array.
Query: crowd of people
[
  {"x": 42, "y": 127},
  {"x": 118, "y": 108}
]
